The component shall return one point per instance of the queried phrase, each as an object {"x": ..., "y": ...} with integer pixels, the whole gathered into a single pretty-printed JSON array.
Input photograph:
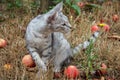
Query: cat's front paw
[
  {"x": 44, "y": 69},
  {"x": 57, "y": 75},
  {"x": 40, "y": 75}
]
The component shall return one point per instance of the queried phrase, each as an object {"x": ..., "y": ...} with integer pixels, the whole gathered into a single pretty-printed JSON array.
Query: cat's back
[{"x": 37, "y": 23}]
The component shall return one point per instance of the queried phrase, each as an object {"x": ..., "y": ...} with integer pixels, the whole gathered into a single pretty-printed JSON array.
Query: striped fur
[
  {"x": 63, "y": 51},
  {"x": 38, "y": 38},
  {"x": 86, "y": 43},
  {"x": 45, "y": 40}
]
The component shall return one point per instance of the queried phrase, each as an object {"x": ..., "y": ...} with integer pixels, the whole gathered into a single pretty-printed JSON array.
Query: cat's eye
[{"x": 64, "y": 24}]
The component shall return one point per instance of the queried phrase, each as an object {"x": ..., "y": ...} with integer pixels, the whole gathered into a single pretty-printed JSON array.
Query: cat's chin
[
  {"x": 66, "y": 32},
  {"x": 67, "y": 35}
]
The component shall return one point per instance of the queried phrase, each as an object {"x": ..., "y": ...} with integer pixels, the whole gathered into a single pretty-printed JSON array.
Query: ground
[{"x": 13, "y": 23}]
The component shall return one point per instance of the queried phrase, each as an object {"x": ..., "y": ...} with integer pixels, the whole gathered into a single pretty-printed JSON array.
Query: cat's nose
[{"x": 70, "y": 26}]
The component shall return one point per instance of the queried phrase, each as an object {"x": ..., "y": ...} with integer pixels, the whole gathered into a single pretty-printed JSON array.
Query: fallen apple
[
  {"x": 81, "y": 4},
  {"x": 103, "y": 65},
  {"x": 115, "y": 18},
  {"x": 102, "y": 20},
  {"x": 106, "y": 27},
  {"x": 28, "y": 61},
  {"x": 71, "y": 72},
  {"x": 103, "y": 69},
  {"x": 3, "y": 43},
  {"x": 94, "y": 28},
  {"x": 57, "y": 75}
]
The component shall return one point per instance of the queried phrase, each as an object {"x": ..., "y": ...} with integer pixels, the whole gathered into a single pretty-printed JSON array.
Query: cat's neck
[
  {"x": 47, "y": 31},
  {"x": 44, "y": 28}
]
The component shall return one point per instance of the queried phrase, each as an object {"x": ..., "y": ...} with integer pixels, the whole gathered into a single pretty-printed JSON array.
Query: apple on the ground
[
  {"x": 3, "y": 43},
  {"x": 71, "y": 72},
  {"x": 28, "y": 61}
]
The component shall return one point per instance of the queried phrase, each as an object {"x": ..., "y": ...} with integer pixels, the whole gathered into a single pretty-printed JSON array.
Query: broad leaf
[
  {"x": 76, "y": 8},
  {"x": 68, "y": 2},
  {"x": 93, "y": 5}
]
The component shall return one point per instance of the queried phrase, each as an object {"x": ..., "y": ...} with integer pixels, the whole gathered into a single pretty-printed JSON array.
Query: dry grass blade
[{"x": 107, "y": 50}]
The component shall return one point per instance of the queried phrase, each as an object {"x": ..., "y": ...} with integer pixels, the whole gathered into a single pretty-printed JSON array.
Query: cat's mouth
[
  {"x": 69, "y": 27},
  {"x": 63, "y": 30}
]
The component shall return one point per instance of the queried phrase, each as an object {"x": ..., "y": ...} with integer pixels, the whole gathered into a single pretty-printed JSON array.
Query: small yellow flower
[
  {"x": 101, "y": 24},
  {"x": 71, "y": 17},
  {"x": 7, "y": 66}
]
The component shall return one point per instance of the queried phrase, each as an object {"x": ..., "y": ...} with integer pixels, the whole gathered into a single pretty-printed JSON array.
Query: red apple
[
  {"x": 3, "y": 43},
  {"x": 115, "y": 18},
  {"x": 28, "y": 61},
  {"x": 103, "y": 65},
  {"x": 102, "y": 20},
  {"x": 106, "y": 27},
  {"x": 94, "y": 28},
  {"x": 81, "y": 4},
  {"x": 57, "y": 74},
  {"x": 71, "y": 72},
  {"x": 103, "y": 69}
]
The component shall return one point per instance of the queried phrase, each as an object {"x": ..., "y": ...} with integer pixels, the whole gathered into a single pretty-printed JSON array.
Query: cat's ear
[
  {"x": 52, "y": 17},
  {"x": 58, "y": 7},
  {"x": 55, "y": 11}
]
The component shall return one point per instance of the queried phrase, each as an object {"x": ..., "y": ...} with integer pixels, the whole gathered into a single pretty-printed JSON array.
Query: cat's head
[{"x": 57, "y": 20}]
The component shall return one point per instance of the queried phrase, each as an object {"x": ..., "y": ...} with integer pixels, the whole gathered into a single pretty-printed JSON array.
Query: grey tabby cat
[{"x": 45, "y": 39}]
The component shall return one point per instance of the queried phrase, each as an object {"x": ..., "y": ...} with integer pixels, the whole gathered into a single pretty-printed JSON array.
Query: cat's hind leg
[{"x": 62, "y": 59}]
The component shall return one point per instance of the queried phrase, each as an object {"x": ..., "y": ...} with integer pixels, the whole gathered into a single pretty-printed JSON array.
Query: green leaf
[
  {"x": 76, "y": 8},
  {"x": 89, "y": 48},
  {"x": 89, "y": 64},
  {"x": 93, "y": 57},
  {"x": 56, "y": 1},
  {"x": 68, "y": 2},
  {"x": 93, "y": 5},
  {"x": 10, "y": 5},
  {"x": 77, "y": 0},
  {"x": 17, "y": 3}
]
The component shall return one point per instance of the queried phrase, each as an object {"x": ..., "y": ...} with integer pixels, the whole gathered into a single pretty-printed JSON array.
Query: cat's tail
[{"x": 85, "y": 44}]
